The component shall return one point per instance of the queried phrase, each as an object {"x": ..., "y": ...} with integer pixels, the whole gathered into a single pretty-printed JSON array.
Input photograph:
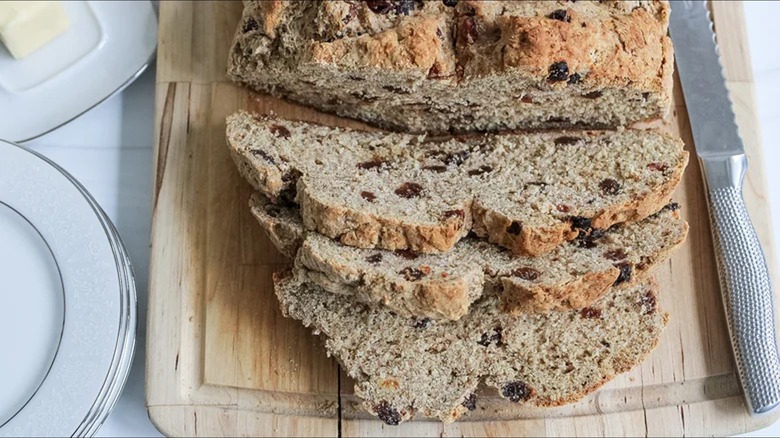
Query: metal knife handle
[{"x": 745, "y": 284}]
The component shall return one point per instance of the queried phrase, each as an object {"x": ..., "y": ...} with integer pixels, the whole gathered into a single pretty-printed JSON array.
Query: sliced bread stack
[
  {"x": 528, "y": 193},
  {"x": 404, "y": 366},
  {"x": 443, "y": 286},
  {"x": 432, "y": 263},
  {"x": 518, "y": 260}
]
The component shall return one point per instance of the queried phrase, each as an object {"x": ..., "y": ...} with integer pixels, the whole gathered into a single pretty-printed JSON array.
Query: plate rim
[
  {"x": 118, "y": 369},
  {"x": 121, "y": 87}
]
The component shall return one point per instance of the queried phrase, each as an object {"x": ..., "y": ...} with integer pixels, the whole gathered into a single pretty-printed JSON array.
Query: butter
[{"x": 26, "y": 26}]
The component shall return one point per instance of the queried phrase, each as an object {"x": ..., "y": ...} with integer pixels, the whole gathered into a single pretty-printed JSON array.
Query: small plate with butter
[{"x": 58, "y": 59}]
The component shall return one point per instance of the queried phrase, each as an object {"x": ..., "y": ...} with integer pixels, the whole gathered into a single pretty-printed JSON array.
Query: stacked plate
[{"x": 67, "y": 302}]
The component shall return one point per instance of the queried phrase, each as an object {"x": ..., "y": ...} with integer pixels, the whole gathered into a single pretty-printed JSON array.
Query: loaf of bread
[
  {"x": 404, "y": 366},
  {"x": 443, "y": 286},
  {"x": 526, "y": 192},
  {"x": 453, "y": 66},
  {"x": 433, "y": 265}
]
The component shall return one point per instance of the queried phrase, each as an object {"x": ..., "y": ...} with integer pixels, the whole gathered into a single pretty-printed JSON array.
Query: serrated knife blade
[
  {"x": 745, "y": 285},
  {"x": 701, "y": 75}
]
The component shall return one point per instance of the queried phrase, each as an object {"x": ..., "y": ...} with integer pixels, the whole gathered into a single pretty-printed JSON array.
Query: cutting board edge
[{"x": 181, "y": 420}]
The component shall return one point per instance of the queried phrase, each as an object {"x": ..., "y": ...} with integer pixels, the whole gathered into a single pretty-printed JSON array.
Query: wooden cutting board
[{"x": 223, "y": 361}]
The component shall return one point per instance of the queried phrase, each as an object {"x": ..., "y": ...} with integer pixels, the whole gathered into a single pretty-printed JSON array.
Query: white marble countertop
[{"x": 109, "y": 150}]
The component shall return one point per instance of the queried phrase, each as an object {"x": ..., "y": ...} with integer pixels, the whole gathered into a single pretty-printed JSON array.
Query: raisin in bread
[
  {"x": 443, "y": 286},
  {"x": 404, "y": 366},
  {"x": 455, "y": 66},
  {"x": 526, "y": 192}
]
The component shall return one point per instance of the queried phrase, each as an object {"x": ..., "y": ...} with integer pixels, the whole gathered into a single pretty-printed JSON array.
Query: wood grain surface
[{"x": 223, "y": 361}]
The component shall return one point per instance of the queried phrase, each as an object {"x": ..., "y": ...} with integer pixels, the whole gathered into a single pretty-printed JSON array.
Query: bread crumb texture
[
  {"x": 528, "y": 193},
  {"x": 443, "y": 286},
  {"x": 404, "y": 366}
]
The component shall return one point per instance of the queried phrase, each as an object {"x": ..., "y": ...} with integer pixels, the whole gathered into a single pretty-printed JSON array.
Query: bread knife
[{"x": 744, "y": 277}]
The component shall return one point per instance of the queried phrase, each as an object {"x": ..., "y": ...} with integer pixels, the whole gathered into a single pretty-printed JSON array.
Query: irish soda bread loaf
[
  {"x": 437, "y": 66},
  {"x": 403, "y": 366},
  {"x": 443, "y": 286},
  {"x": 526, "y": 192}
]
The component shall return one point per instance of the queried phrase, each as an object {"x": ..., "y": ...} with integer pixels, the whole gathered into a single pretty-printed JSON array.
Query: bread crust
[
  {"x": 453, "y": 282},
  {"x": 479, "y": 66},
  {"x": 281, "y": 167},
  {"x": 403, "y": 368}
]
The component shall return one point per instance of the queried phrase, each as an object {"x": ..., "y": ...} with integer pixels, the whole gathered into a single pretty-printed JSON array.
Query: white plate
[
  {"x": 67, "y": 302},
  {"x": 106, "y": 47}
]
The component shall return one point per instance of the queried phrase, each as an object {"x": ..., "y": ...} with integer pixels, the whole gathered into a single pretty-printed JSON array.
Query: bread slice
[
  {"x": 404, "y": 366},
  {"x": 443, "y": 286},
  {"x": 282, "y": 224},
  {"x": 526, "y": 192},
  {"x": 430, "y": 67}
]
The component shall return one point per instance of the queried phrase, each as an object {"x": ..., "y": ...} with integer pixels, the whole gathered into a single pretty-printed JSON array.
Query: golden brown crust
[
  {"x": 330, "y": 210},
  {"x": 624, "y": 48},
  {"x": 439, "y": 299},
  {"x": 583, "y": 291},
  {"x": 531, "y": 241},
  {"x": 534, "y": 241},
  {"x": 449, "y": 298},
  {"x": 481, "y": 66},
  {"x": 372, "y": 231},
  {"x": 533, "y": 44},
  {"x": 453, "y": 281},
  {"x": 270, "y": 12},
  {"x": 413, "y": 46},
  {"x": 613, "y": 49},
  {"x": 365, "y": 230},
  {"x": 642, "y": 207}
]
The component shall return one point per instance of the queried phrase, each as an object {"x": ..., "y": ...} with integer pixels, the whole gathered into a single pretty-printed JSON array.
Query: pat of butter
[{"x": 26, "y": 26}]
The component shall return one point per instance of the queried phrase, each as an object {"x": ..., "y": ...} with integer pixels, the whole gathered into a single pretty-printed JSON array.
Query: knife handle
[{"x": 745, "y": 284}]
